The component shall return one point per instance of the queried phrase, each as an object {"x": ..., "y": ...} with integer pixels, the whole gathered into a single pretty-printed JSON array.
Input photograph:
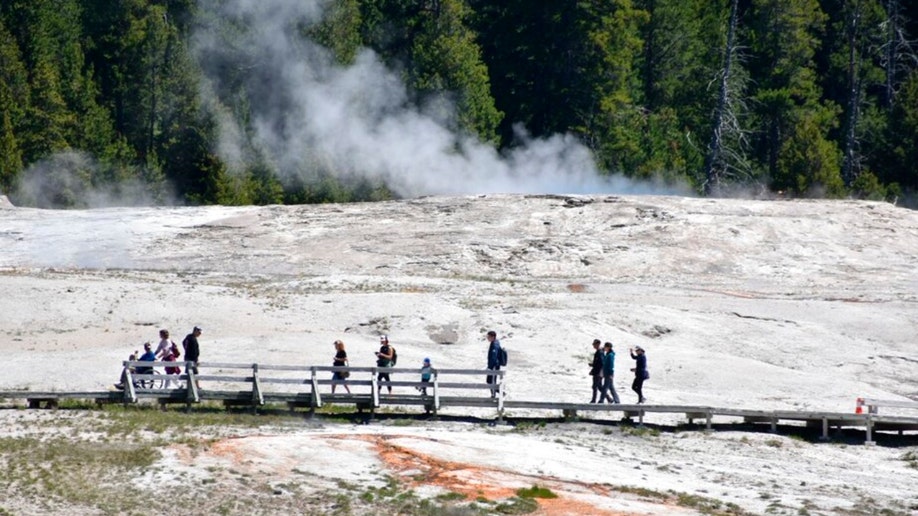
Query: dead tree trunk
[
  {"x": 713, "y": 166},
  {"x": 852, "y": 103}
]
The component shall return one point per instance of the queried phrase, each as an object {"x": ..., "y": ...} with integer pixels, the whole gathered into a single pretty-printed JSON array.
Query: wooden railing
[
  {"x": 286, "y": 382},
  {"x": 873, "y": 406}
]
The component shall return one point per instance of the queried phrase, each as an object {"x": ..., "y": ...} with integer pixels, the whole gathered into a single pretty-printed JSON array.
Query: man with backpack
[
  {"x": 497, "y": 357},
  {"x": 385, "y": 357},
  {"x": 192, "y": 352}
]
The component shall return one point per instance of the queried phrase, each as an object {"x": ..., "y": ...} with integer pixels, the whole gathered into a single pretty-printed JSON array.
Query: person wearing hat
[
  {"x": 640, "y": 372},
  {"x": 384, "y": 359},
  {"x": 192, "y": 351},
  {"x": 608, "y": 375}
]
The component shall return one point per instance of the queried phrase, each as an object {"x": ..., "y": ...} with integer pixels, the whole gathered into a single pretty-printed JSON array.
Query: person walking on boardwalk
[
  {"x": 384, "y": 359},
  {"x": 608, "y": 375},
  {"x": 192, "y": 351},
  {"x": 340, "y": 360},
  {"x": 596, "y": 369},
  {"x": 640, "y": 372},
  {"x": 494, "y": 360},
  {"x": 165, "y": 345},
  {"x": 171, "y": 355}
]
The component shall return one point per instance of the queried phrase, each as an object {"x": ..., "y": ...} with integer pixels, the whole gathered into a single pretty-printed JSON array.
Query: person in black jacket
[
  {"x": 640, "y": 372},
  {"x": 493, "y": 360},
  {"x": 596, "y": 370},
  {"x": 192, "y": 351},
  {"x": 384, "y": 359}
]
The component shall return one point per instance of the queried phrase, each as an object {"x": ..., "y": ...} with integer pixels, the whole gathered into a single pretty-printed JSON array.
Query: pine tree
[
  {"x": 784, "y": 38},
  {"x": 10, "y": 155},
  {"x": 446, "y": 63},
  {"x": 14, "y": 102}
]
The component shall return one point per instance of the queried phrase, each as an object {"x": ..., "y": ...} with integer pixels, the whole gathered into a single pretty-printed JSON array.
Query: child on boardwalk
[{"x": 426, "y": 374}]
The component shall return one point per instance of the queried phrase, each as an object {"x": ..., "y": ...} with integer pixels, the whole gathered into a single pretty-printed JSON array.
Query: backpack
[
  {"x": 502, "y": 356},
  {"x": 394, "y": 356}
]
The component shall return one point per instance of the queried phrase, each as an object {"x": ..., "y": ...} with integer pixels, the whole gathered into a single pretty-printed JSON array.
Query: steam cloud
[
  {"x": 308, "y": 114},
  {"x": 64, "y": 179}
]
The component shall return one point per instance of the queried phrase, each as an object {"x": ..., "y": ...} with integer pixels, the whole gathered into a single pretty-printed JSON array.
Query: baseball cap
[
  {"x": 383, "y": 338},
  {"x": 198, "y": 328},
  {"x": 426, "y": 360}
]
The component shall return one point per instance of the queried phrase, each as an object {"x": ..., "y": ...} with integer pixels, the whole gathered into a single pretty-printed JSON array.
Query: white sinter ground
[{"x": 739, "y": 303}]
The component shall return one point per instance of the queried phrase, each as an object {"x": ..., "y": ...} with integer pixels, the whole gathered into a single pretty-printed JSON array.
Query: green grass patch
[
  {"x": 536, "y": 492},
  {"x": 517, "y": 506},
  {"x": 451, "y": 496}
]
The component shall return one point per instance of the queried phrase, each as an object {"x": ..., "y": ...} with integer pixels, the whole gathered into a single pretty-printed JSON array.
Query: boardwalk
[{"x": 309, "y": 387}]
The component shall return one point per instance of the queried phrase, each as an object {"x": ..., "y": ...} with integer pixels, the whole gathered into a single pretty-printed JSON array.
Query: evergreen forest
[{"x": 181, "y": 101}]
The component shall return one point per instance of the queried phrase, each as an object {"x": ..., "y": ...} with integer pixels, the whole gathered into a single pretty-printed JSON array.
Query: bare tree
[
  {"x": 721, "y": 157},
  {"x": 899, "y": 55}
]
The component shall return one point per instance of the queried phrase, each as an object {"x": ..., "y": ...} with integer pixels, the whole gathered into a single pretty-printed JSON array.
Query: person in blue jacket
[
  {"x": 493, "y": 360},
  {"x": 608, "y": 375},
  {"x": 640, "y": 372}
]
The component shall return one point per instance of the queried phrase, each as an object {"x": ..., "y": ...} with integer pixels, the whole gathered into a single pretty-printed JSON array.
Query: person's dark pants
[
  {"x": 608, "y": 390},
  {"x": 597, "y": 387},
  {"x": 492, "y": 380},
  {"x": 384, "y": 376},
  {"x": 638, "y": 386},
  {"x": 424, "y": 388}
]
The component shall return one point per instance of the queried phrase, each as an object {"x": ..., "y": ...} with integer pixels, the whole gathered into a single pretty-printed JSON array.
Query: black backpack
[
  {"x": 394, "y": 356},
  {"x": 502, "y": 356}
]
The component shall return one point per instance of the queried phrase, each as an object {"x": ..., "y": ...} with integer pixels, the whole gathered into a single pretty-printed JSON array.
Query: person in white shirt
[{"x": 165, "y": 345}]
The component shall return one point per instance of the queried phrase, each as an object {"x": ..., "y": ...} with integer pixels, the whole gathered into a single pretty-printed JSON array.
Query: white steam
[
  {"x": 309, "y": 114},
  {"x": 65, "y": 180}
]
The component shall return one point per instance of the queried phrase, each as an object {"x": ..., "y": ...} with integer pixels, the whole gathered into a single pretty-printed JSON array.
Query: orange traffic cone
[{"x": 860, "y": 406}]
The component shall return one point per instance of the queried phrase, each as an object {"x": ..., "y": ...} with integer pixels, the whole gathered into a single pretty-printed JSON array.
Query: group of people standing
[
  {"x": 602, "y": 369},
  {"x": 385, "y": 357},
  {"x": 168, "y": 351}
]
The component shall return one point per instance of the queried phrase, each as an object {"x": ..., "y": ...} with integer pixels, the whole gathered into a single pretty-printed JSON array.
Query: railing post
[
  {"x": 257, "y": 397},
  {"x": 130, "y": 396},
  {"x": 436, "y": 392},
  {"x": 193, "y": 394},
  {"x": 870, "y": 441},
  {"x": 500, "y": 397},
  {"x": 374, "y": 387},
  {"x": 316, "y": 397}
]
